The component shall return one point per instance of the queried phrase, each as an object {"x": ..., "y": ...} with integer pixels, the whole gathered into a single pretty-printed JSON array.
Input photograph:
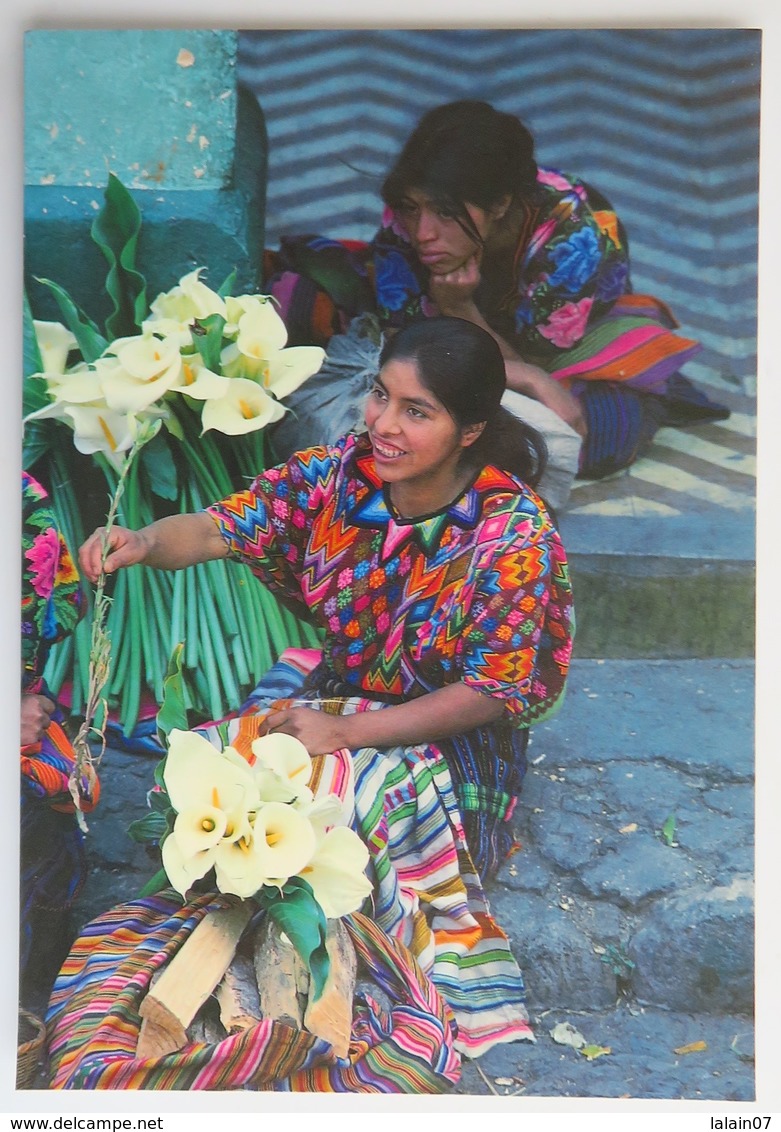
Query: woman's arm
[
  {"x": 437, "y": 715},
  {"x": 453, "y": 293},
  {"x": 169, "y": 544}
]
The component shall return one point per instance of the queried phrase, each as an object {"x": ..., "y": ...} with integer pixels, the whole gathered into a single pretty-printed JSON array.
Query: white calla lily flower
[
  {"x": 55, "y": 342},
  {"x": 237, "y": 306},
  {"x": 169, "y": 328},
  {"x": 184, "y": 871},
  {"x": 79, "y": 386},
  {"x": 291, "y": 367},
  {"x": 336, "y": 872},
  {"x": 199, "y": 382},
  {"x": 282, "y": 768},
  {"x": 244, "y": 408},
  {"x": 198, "y": 828},
  {"x": 137, "y": 372},
  {"x": 188, "y": 300},
  {"x": 284, "y": 840},
  {"x": 196, "y": 774},
  {"x": 240, "y": 866}
]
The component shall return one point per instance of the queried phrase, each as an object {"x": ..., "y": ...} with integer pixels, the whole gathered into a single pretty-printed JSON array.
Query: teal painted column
[{"x": 162, "y": 110}]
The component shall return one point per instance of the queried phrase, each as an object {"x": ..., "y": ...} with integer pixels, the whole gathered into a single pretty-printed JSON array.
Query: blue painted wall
[{"x": 162, "y": 110}]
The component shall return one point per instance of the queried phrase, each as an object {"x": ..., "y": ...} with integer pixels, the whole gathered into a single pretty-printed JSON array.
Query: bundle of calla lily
[
  {"x": 253, "y": 829},
  {"x": 257, "y": 825},
  {"x": 213, "y": 369}
]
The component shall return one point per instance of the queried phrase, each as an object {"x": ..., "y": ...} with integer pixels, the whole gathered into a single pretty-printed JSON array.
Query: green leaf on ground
[
  {"x": 592, "y": 1052},
  {"x": 667, "y": 832}
]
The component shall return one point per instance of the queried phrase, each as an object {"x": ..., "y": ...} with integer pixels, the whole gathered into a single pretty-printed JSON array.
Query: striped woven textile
[
  {"x": 93, "y": 1021},
  {"x": 427, "y": 892},
  {"x": 46, "y": 769}
]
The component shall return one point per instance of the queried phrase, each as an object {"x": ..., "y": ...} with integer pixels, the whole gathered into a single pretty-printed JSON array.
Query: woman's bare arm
[
  {"x": 169, "y": 544},
  {"x": 448, "y": 711}
]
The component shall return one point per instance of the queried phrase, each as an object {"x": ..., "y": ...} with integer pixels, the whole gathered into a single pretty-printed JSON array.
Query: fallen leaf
[
  {"x": 668, "y": 830},
  {"x": 692, "y": 1047},
  {"x": 185, "y": 58},
  {"x": 504, "y": 1080},
  {"x": 595, "y": 1051},
  {"x": 631, "y": 828},
  {"x": 565, "y": 1034}
]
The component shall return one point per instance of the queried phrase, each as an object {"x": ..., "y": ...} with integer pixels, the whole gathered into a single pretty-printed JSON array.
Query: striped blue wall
[{"x": 664, "y": 122}]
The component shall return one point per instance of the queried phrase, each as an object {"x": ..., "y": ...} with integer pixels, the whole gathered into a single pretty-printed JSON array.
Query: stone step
[{"x": 680, "y": 587}]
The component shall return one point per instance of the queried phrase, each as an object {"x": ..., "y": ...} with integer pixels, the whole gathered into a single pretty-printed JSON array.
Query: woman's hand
[
  {"x": 453, "y": 292},
  {"x": 125, "y": 549},
  {"x": 37, "y": 712},
  {"x": 319, "y": 732},
  {"x": 172, "y": 543}
]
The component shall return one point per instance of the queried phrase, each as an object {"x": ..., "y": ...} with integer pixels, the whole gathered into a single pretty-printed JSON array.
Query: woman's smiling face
[{"x": 416, "y": 442}]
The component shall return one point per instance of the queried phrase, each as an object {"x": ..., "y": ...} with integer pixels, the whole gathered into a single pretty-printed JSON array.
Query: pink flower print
[
  {"x": 345, "y": 578},
  {"x": 280, "y": 508},
  {"x": 43, "y": 557},
  {"x": 383, "y": 621},
  {"x": 554, "y": 179},
  {"x": 539, "y": 689},
  {"x": 567, "y": 324},
  {"x": 298, "y": 519},
  {"x": 333, "y": 624},
  {"x": 391, "y": 220},
  {"x": 515, "y": 617}
]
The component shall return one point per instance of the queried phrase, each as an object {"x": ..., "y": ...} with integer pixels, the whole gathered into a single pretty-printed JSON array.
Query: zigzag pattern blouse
[{"x": 478, "y": 592}]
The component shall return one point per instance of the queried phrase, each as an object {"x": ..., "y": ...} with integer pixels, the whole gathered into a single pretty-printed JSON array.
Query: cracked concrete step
[{"x": 681, "y": 587}]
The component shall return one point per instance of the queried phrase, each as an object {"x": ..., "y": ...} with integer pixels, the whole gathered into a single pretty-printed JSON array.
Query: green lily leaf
[
  {"x": 151, "y": 827},
  {"x": 158, "y": 463},
  {"x": 158, "y": 882},
  {"x": 227, "y": 287},
  {"x": 172, "y": 713},
  {"x": 91, "y": 341},
  {"x": 296, "y": 912},
  {"x": 31, "y": 356},
  {"x": 115, "y": 231},
  {"x": 160, "y": 802},
  {"x": 207, "y": 335}
]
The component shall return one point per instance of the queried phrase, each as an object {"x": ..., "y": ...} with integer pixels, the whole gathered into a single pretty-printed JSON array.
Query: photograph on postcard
[{"x": 388, "y": 562}]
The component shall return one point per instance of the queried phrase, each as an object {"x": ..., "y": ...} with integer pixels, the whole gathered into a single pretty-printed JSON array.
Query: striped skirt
[{"x": 408, "y": 805}]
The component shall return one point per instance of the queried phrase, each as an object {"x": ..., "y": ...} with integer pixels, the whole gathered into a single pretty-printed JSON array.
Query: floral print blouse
[
  {"x": 52, "y": 600},
  {"x": 570, "y": 265},
  {"x": 478, "y": 592}
]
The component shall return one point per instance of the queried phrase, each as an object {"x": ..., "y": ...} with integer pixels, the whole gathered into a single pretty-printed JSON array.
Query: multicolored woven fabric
[
  {"x": 567, "y": 306},
  {"x": 571, "y": 266},
  {"x": 93, "y": 1020},
  {"x": 478, "y": 592},
  {"x": 428, "y": 893},
  {"x": 52, "y": 600}
]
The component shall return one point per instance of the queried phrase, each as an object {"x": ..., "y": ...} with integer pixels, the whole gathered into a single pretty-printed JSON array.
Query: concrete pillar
[{"x": 162, "y": 110}]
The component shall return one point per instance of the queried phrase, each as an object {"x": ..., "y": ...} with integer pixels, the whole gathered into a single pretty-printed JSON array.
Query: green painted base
[{"x": 221, "y": 230}]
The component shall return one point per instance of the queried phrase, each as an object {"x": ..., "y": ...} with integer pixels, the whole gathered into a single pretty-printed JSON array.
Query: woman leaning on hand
[
  {"x": 475, "y": 228},
  {"x": 421, "y": 549}
]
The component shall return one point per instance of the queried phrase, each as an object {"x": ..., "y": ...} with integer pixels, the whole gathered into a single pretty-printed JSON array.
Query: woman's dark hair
[
  {"x": 464, "y": 152},
  {"x": 462, "y": 365}
]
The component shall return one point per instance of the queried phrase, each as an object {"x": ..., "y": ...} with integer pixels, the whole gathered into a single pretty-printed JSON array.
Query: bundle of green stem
[{"x": 232, "y": 627}]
